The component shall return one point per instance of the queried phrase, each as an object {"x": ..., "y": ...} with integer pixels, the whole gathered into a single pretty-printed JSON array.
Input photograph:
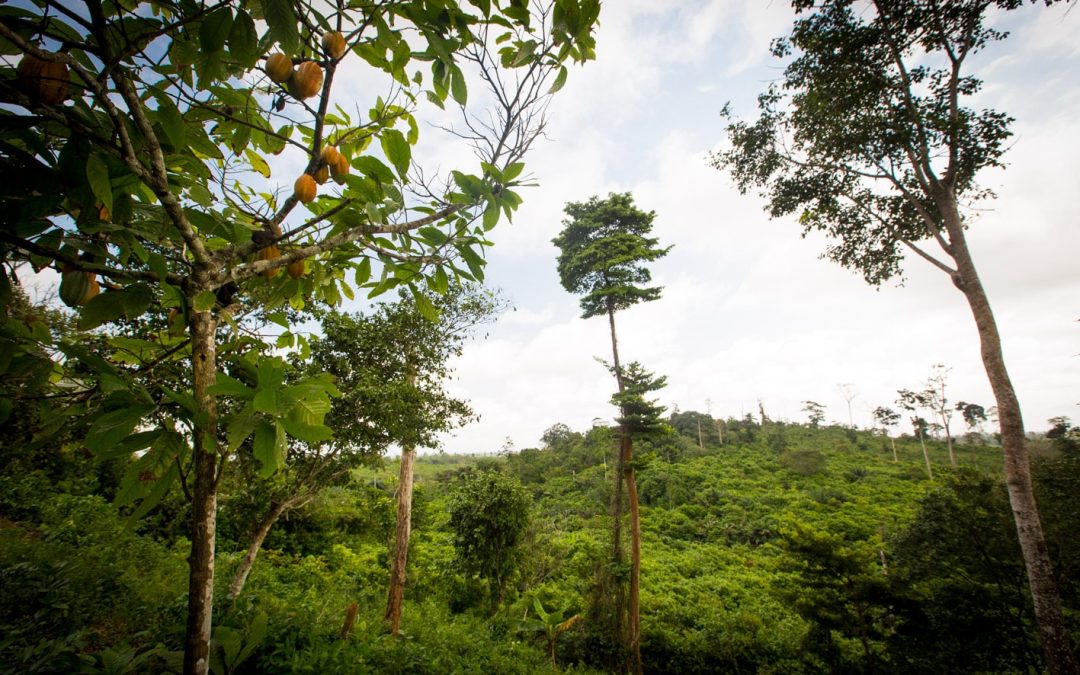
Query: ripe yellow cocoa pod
[
  {"x": 279, "y": 67},
  {"x": 340, "y": 168},
  {"x": 306, "y": 80},
  {"x": 305, "y": 188},
  {"x": 322, "y": 174},
  {"x": 333, "y": 44},
  {"x": 271, "y": 252}
]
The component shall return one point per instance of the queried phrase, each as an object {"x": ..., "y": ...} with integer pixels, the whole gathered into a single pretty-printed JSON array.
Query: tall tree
[
  {"x": 604, "y": 246},
  {"x": 151, "y": 124},
  {"x": 867, "y": 139},
  {"x": 424, "y": 366}
]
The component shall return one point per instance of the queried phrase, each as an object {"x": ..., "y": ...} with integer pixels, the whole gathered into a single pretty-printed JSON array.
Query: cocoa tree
[{"x": 139, "y": 161}]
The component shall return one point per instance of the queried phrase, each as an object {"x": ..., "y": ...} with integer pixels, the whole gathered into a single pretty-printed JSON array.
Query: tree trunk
[
  {"x": 257, "y": 539},
  {"x": 1056, "y": 643},
  {"x": 635, "y": 557},
  {"x": 926, "y": 456},
  {"x": 204, "y": 498},
  {"x": 894, "y": 457},
  {"x": 626, "y": 456},
  {"x": 700, "y": 441},
  {"x": 396, "y": 594}
]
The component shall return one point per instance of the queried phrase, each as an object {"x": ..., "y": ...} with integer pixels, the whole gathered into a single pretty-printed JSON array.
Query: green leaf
[
  {"x": 424, "y": 305},
  {"x": 204, "y": 301},
  {"x": 311, "y": 434},
  {"x": 172, "y": 121},
  {"x": 560, "y": 80},
  {"x": 512, "y": 171},
  {"x": 102, "y": 308},
  {"x": 257, "y": 162},
  {"x": 244, "y": 40},
  {"x": 97, "y": 173},
  {"x": 283, "y": 22},
  {"x": 458, "y": 88},
  {"x": 397, "y": 150},
  {"x": 157, "y": 492},
  {"x": 269, "y": 447},
  {"x": 268, "y": 400},
  {"x": 230, "y": 386},
  {"x": 491, "y": 216},
  {"x": 130, "y": 445},
  {"x": 137, "y": 299},
  {"x": 112, "y": 427},
  {"x": 363, "y": 272},
  {"x": 214, "y": 30},
  {"x": 374, "y": 169},
  {"x": 239, "y": 427}
]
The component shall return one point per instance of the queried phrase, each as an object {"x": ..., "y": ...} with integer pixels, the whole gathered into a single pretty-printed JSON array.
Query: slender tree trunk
[
  {"x": 635, "y": 557},
  {"x": 948, "y": 438},
  {"x": 626, "y": 456},
  {"x": 204, "y": 498},
  {"x": 254, "y": 546},
  {"x": 396, "y": 593},
  {"x": 1056, "y": 643},
  {"x": 926, "y": 456},
  {"x": 894, "y": 457},
  {"x": 700, "y": 441}
]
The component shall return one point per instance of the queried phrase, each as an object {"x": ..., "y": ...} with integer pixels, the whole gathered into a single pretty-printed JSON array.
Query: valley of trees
[{"x": 211, "y": 461}]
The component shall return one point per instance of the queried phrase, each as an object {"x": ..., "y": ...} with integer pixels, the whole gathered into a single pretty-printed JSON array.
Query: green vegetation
[
  {"x": 787, "y": 549},
  {"x": 179, "y": 428}
]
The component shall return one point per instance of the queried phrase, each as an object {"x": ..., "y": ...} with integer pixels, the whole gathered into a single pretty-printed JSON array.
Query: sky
[{"x": 749, "y": 311}]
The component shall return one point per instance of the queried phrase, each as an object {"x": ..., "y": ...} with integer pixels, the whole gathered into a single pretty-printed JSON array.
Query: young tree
[
  {"x": 152, "y": 123},
  {"x": 424, "y": 366},
  {"x": 887, "y": 418},
  {"x": 815, "y": 413},
  {"x": 912, "y": 402},
  {"x": 867, "y": 139},
  {"x": 973, "y": 415},
  {"x": 604, "y": 247},
  {"x": 936, "y": 400},
  {"x": 489, "y": 514}
]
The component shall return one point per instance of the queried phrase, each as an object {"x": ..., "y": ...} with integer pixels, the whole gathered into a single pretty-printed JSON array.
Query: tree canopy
[{"x": 603, "y": 247}]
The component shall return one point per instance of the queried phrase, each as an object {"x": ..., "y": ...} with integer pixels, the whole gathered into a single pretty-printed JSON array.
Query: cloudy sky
[{"x": 750, "y": 313}]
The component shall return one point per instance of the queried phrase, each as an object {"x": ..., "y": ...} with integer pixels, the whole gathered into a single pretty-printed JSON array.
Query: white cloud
[{"x": 749, "y": 310}]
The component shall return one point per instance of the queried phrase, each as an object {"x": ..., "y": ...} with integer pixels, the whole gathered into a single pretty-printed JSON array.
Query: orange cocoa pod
[
  {"x": 295, "y": 269},
  {"x": 333, "y": 43},
  {"x": 340, "y": 168},
  {"x": 306, "y": 80},
  {"x": 271, "y": 252},
  {"x": 305, "y": 188},
  {"x": 43, "y": 81},
  {"x": 279, "y": 67}
]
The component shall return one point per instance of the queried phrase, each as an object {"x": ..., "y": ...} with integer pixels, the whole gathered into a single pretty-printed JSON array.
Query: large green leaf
[
  {"x": 397, "y": 150},
  {"x": 112, "y": 427},
  {"x": 244, "y": 40},
  {"x": 284, "y": 26},
  {"x": 97, "y": 174},
  {"x": 269, "y": 447}
]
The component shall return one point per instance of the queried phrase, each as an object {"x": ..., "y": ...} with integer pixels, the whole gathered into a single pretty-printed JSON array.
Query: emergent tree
[{"x": 604, "y": 246}]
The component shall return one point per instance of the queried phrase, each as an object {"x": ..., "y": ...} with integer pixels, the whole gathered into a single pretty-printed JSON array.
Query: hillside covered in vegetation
[{"x": 784, "y": 549}]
